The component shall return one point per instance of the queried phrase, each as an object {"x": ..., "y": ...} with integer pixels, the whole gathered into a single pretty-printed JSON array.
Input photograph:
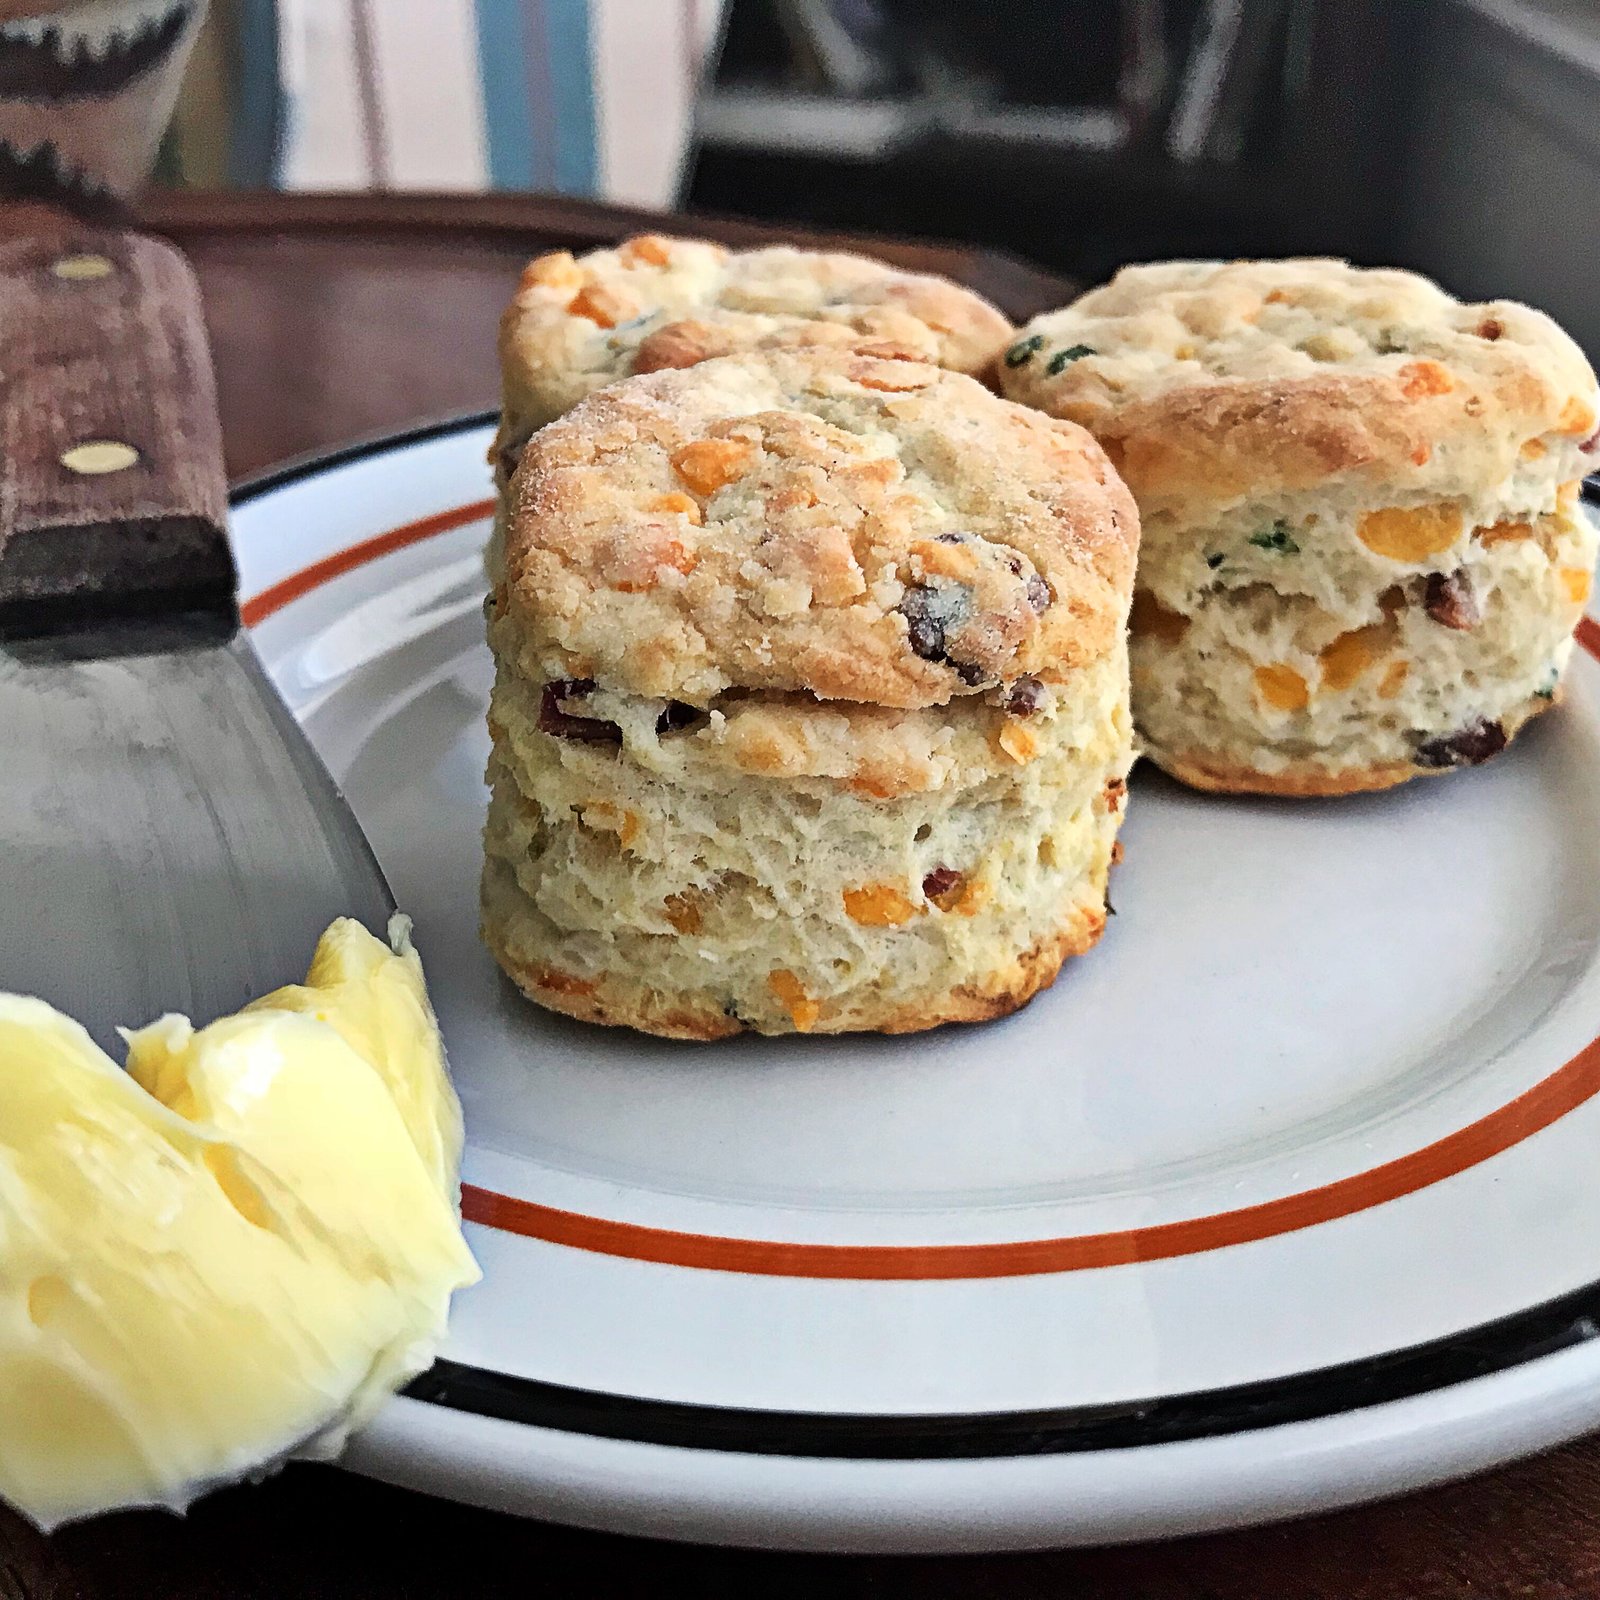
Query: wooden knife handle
[{"x": 113, "y": 501}]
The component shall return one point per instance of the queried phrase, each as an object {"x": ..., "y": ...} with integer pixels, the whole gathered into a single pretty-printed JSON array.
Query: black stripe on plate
[
  {"x": 1495, "y": 1347},
  {"x": 299, "y": 468}
]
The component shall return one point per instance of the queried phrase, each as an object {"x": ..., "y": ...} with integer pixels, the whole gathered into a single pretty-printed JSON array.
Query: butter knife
[{"x": 169, "y": 841}]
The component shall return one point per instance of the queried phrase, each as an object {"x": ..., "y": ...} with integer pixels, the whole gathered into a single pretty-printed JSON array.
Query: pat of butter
[{"x": 233, "y": 1251}]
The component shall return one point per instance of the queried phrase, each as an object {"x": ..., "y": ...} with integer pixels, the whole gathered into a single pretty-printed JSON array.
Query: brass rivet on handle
[
  {"x": 79, "y": 269},
  {"x": 96, "y": 456}
]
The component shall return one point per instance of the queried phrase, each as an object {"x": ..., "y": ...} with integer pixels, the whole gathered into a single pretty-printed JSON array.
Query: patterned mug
[{"x": 86, "y": 91}]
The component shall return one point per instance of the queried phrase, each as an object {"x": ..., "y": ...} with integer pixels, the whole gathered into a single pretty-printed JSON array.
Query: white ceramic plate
[{"x": 1286, "y": 1196}]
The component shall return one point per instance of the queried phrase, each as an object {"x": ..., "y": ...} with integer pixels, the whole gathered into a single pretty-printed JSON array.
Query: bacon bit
[
  {"x": 557, "y": 270},
  {"x": 1575, "y": 580},
  {"x": 1113, "y": 792},
  {"x": 1393, "y": 679},
  {"x": 1152, "y": 619},
  {"x": 1451, "y": 601},
  {"x": 1116, "y": 853},
  {"x": 649, "y": 248},
  {"x": 1473, "y": 745},
  {"x": 1503, "y": 533},
  {"x": 604, "y": 306},
  {"x": 707, "y": 465},
  {"x": 559, "y": 982},
  {"x": 563, "y": 724},
  {"x": 685, "y": 910},
  {"x": 1491, "y": 328},
  {"x": 1591, "y": 444},
  {"x": 878, "y": 905},
  {"x": 1017, "y": 741},
  {"x": 945, "y": 887},
  {"x": 1577, "y": 416},
  {"x": 1348, "y": 656},
  {"x": 1023, "y": 698},
  {"x": 803, "y": 1011},
  {"x": 1422, "y": 455},
  {"x": 892, "y": 377},
  {"x": 1283, "y": 687},
  {"x": 1419, "y": 378},
  {"x": 1410, "y": 535},
  {"x": 678, "y": 504}
]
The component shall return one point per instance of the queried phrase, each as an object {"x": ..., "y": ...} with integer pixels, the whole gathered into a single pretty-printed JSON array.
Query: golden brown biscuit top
[
  {"x": 1212, "y": 382},
  {"x": 655, "y": 302},
  {"x": 864, "y": 529}
]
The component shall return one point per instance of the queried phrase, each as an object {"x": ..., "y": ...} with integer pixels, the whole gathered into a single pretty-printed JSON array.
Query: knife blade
[{"x": 171, "y": 840}]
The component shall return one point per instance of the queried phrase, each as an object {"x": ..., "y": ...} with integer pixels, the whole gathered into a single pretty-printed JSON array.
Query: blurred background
[{"x": 1458, "y": 136}]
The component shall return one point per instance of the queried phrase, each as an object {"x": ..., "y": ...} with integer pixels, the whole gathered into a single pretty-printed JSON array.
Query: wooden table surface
[{"x": 334, "y": 317}]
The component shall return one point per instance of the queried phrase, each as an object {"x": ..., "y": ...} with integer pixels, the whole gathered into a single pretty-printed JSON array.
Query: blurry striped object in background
[{"x": 586, "y": 97}]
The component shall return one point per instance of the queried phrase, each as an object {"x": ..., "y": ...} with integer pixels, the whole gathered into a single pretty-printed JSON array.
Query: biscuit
[
  {"x": 654, "y": 303},
  {"x": 576, "y": 325},
  {"x": 810, "y": 709},
  {"x": 1362, "y": 554}
]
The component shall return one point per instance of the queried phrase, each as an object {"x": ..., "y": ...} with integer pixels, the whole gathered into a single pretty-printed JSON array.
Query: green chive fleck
[
  {"x": 1547, "y": 689},
  {"x": 1215, "y": 559},
  {"x": 1060, "y": 360},
  {"x": 1276, "y": 538},
  {"x": 1020, "y": 352}
]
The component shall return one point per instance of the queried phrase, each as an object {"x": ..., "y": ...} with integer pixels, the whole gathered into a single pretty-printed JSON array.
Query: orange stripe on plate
[
  {"x": 297, "y": 584},
  {"x": 1540, "y": 1106},
  {"x": 1589, "y": 635},
  {"x": 1545, "y": 1103}
]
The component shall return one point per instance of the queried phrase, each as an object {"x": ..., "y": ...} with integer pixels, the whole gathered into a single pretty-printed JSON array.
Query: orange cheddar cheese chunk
[
  {"x": 1410, "y": 533},
  {"x": 1283, "y": 688}
]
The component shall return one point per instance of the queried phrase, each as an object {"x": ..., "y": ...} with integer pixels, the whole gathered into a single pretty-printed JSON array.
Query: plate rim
[
  {"x": 1470, "y": 1355},
  {"x": 1569, "y": 1322},
  {"x": 1010, "y": 1503}
]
